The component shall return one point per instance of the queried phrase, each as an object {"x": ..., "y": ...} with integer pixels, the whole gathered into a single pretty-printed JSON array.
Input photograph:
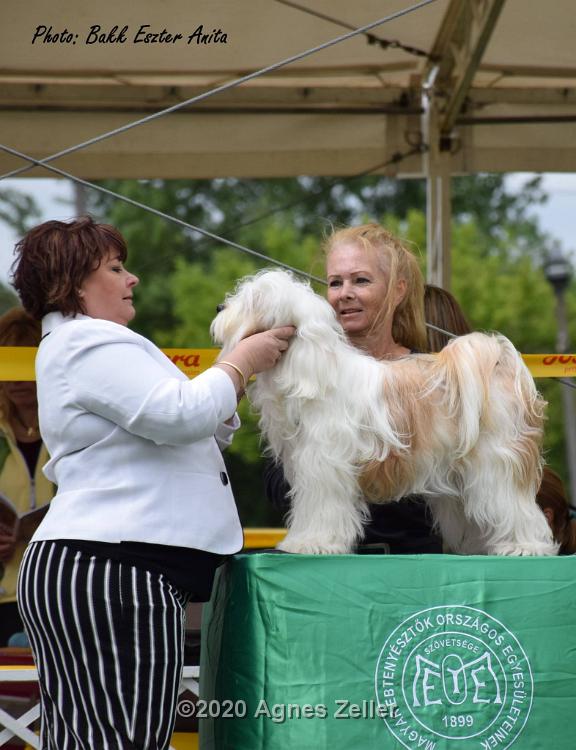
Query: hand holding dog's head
[
  {"x": 269, "y": 299},
  {"x": 272, "y": 299}
]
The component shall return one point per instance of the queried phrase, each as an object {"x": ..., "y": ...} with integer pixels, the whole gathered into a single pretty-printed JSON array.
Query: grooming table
[{"x": 387, "y": 652}]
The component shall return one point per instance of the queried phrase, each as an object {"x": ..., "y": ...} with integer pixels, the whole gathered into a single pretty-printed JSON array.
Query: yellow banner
[
  {"x": 17, "y": 362},
  {"x": 192, "y": 361},
  {"x": 551, "y": 365},
  {"x": 264, "y": 538}
]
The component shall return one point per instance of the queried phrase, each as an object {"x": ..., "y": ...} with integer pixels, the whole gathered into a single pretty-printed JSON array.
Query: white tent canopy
[{"x": 481, "y": 85}]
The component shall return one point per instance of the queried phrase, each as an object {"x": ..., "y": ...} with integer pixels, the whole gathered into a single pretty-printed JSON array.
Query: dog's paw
[
  {"x": 311, "y": 546},
  {"x": 526, "y": 549}
]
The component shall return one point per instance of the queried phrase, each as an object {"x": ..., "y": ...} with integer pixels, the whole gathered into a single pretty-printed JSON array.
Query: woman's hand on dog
[{"x": 258, "y": 352}]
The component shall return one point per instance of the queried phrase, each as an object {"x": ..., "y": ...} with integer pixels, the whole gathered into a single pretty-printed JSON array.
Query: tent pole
[{"x": 438, "y": 196}]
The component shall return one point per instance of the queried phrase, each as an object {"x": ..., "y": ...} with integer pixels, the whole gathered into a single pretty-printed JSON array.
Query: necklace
[
  {"x": 396, "y": 354},
  {"x": 30, "y": 430}
]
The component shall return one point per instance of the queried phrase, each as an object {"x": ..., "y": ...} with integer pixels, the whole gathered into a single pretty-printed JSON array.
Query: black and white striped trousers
[{"x": 108, "y": 641}]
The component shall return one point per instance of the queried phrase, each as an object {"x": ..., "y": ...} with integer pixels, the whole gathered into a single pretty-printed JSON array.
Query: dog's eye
[{"x": 220, "y": 307}]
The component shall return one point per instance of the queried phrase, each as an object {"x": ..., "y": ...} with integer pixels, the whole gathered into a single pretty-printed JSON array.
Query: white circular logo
[{"x": 456, "y": 673}]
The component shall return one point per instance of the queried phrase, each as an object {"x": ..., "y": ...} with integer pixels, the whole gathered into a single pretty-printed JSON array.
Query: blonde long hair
[{"x": 395, "y": 260}]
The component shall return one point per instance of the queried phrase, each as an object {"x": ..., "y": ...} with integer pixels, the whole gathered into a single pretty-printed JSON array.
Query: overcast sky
[
  {"x": 54, "y": 198},
  {"x": 49, "y": 195}
]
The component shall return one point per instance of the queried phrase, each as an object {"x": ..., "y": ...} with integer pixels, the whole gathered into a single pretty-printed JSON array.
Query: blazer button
[{"x": 224, "y": 478}]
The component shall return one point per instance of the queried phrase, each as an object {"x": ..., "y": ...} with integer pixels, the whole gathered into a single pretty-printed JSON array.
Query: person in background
[
  {"x": 22, "y": 455},
  {"x": 376, "y": 289},
  {"x": 552, "y": 500},
  {"x": 144, "y": 511},
  {"x": 443, "y": 311}
]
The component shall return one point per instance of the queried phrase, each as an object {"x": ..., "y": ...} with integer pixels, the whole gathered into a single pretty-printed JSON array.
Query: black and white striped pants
[{"x": 108, "y": 641}]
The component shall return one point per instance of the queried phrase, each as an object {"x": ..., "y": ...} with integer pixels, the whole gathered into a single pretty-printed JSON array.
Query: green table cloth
[{"x": 354, "y": 652}]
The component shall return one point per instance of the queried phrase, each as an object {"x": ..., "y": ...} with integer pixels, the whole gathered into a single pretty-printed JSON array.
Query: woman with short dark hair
[
  {"x": 55, "y": 258},
  {"x": 144, "y": 512}
]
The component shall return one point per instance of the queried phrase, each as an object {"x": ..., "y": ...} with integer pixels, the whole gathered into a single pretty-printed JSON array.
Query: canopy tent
[{"x": 452, "y": 87}]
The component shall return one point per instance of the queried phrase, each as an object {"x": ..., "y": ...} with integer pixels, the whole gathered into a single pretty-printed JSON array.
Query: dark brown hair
[
  {"x": 17, "y": 328},
  {"x": 54, "y": 259},
  {"x": 442, "y": 310},
  {"x": 552, "y": 497}
]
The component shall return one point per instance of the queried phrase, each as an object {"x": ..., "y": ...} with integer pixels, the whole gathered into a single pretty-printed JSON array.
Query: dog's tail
[{"x": 488, "y": 387}]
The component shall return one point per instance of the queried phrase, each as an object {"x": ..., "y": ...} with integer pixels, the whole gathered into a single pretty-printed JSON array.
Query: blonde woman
[{"x": 377, "y": 291}]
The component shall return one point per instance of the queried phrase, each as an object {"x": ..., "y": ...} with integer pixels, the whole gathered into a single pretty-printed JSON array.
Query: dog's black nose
[{"x": 220, "y": 307}]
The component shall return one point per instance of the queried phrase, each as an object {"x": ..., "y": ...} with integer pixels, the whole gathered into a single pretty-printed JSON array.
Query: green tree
[
  {"x": 240, "y": 210},
  {"x": 7, "y": 298},
  {"x": 502, "y": 288},
  {"x": 20, "y": 212},
  {"x": 497, "y": 255}
]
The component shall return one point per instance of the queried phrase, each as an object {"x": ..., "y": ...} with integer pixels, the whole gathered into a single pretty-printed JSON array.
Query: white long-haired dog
[{"x": 462, "y": 428}]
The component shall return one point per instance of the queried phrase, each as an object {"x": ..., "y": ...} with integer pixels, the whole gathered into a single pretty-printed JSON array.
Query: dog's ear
[
  {"x": 308, "y": 368},
  {"x": 309, "y": 365},
  {"x": 239, "y": 316}
]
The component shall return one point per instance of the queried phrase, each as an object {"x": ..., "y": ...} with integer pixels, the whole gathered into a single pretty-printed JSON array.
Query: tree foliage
[
  {"x": 498, "y": 250},
  {"x": 8, "y": 299},
  {"x": 503, "y": 289},
  {"x": 20, "y": 212}
]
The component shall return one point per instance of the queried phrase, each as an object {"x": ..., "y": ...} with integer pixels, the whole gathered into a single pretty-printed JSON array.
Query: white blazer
[{"x": 132, "y": 440}]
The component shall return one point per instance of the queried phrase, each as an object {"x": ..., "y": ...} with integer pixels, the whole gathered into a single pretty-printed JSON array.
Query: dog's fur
[{"x": 463, "y": 427}]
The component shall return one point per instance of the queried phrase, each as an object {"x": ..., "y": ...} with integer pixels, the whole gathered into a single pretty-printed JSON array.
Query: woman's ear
[{"x": 401, "y": 288}]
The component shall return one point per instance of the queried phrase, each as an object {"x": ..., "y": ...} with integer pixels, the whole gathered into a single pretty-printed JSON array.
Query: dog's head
[{"x": 269, "y": 299}]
